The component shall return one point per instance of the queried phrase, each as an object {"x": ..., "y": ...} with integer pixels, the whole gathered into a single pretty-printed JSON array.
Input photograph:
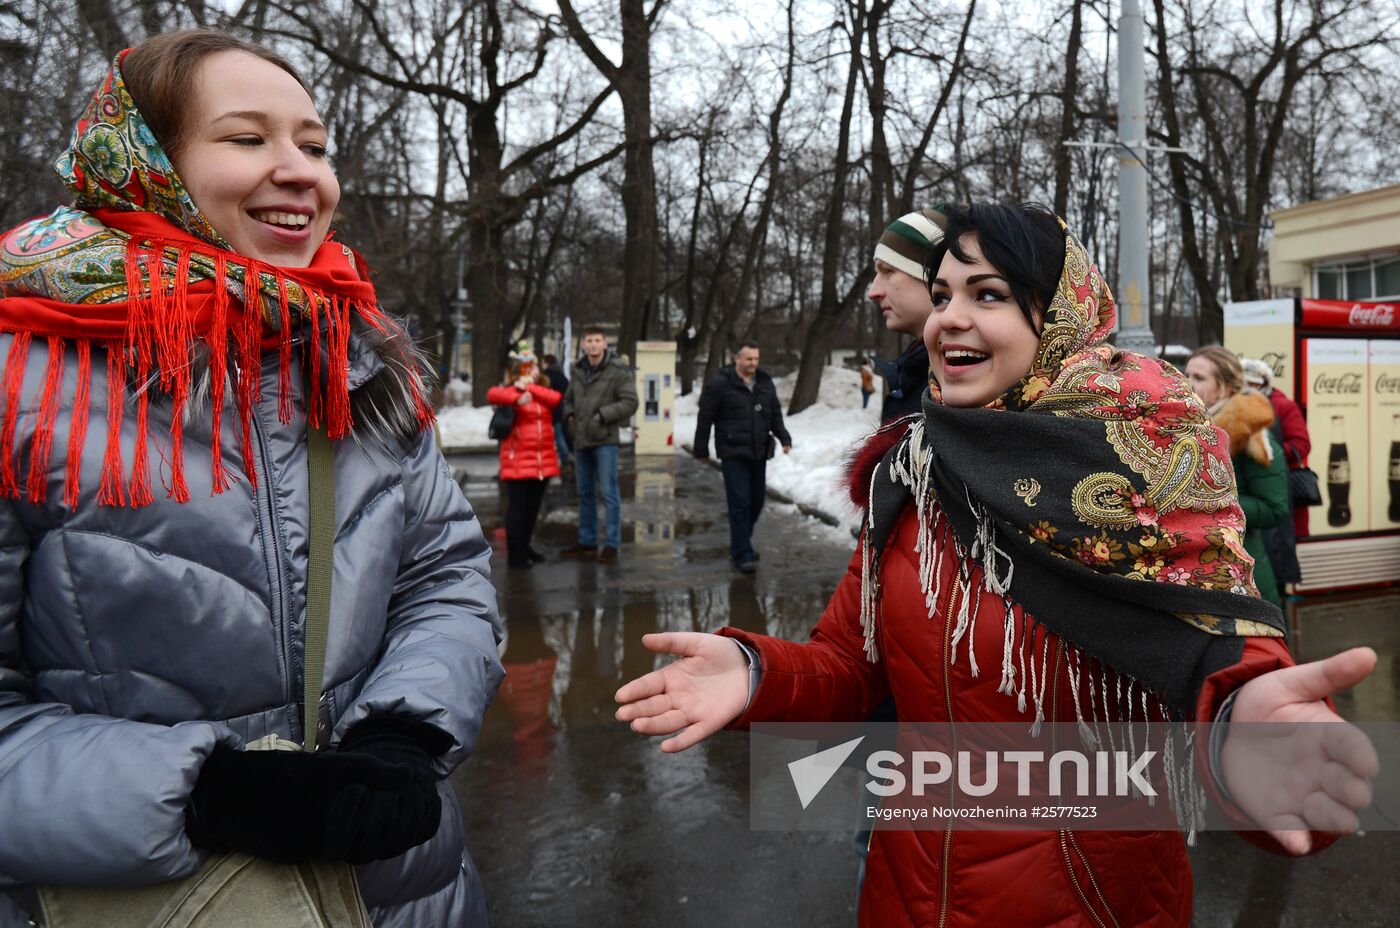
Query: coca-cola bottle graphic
[
  {"x": 1394, "y": 469},
  {"x": 1338, "y": 476}
]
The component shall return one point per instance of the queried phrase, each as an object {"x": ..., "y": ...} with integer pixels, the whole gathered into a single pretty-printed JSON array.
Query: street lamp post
[{"x": 1135, "y": 332}]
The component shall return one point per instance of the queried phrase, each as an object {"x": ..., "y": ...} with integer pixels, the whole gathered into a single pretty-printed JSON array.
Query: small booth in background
[
  {"x": 1340, "y": 361},
  {"x": 1335, "y": 349},
  {"x": 656, "y": 397}
]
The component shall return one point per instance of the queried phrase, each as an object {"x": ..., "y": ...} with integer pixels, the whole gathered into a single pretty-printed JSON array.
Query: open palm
[
  {"x": 1289, "y": 761},
  {"x": 694, "y": 697}
]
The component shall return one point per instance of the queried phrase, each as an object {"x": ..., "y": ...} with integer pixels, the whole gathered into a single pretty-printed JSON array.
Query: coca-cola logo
[
  {"x": 1275, "y": 361},
  {"x": 1386, "y": 383},
  {"x": 1343, "y": 383},
  {"x": 1379, "y": 314}
]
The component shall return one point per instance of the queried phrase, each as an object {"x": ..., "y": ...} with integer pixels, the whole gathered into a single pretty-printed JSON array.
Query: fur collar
[
  {"x": 863, "y": 459},
  {"x": 1245, "y": 418}
]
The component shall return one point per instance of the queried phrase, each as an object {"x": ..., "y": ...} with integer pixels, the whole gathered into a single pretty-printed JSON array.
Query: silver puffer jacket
[{"x": 132, "y": 641}]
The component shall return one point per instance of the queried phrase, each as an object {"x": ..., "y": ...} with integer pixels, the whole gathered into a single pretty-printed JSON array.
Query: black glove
[
  {"x": 599, "y": 417},
  {"x": 398, "y": 739},
  {"x": 292, "y": 806}
]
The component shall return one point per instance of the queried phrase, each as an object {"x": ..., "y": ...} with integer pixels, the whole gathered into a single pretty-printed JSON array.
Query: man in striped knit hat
[{"x": 901, "y": 291}]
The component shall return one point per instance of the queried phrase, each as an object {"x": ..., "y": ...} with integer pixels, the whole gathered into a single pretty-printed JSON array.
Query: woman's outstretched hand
[
  {"x": 693, "y": 697},
  {"x": 1293, "y": 775}
]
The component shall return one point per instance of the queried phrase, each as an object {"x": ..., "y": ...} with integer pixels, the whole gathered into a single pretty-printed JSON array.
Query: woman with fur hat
[
  {"x": 1060, "y": 522},
  {"x": 1261, "y": 476},
  {"x": 186, "y": 349}
]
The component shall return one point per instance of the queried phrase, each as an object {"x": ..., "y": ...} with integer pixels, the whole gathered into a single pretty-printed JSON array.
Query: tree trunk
[
  {"x": 638, "y": 179},
  {"x": 822, "y": 331},
  {"x": 1210, "y": 312},
  {"x": 1068, "y": 94}
]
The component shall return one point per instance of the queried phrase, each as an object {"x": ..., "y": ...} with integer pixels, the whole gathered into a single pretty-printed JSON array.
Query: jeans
[
  {"x": 744, "y": 491},
  {"x": 596, "y": 468},
  {"x": 561, "y": 444}
]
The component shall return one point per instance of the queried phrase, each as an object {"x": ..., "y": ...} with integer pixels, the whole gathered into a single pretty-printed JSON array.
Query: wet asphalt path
[{"x": 572, "y": 818}]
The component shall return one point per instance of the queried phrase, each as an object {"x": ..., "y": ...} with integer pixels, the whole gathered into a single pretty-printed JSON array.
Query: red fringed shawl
[{"x": 180, "y": 294}]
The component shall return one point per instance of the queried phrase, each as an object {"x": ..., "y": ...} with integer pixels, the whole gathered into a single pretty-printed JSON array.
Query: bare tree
[{"x": 632, "y": 80}]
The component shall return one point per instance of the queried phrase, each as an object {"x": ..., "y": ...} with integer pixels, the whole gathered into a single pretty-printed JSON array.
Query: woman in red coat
[
  {"x": 528, "y": 458},
  {"x": 1096, "y": 573}
]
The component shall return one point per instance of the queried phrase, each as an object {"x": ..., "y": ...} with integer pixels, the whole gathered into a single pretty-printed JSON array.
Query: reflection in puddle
[{"x": 563, "y": 669}]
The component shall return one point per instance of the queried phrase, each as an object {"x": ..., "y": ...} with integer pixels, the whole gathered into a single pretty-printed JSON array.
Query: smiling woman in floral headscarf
[
  {"x": 1055, "y": 539},
  {"x": 170, "y": 341}
]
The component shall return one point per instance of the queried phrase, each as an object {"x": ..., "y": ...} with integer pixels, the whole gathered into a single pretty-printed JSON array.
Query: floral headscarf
[
  {"x": 1106, "y": 508},
  {"x": 135, "y": 268}
]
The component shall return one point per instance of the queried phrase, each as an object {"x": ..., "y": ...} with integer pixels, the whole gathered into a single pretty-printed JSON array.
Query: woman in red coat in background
[
  {"x": 1060, "y": 521},
  {"x": 528, "y": 458},
  {"x": 1292, "y": 429}
]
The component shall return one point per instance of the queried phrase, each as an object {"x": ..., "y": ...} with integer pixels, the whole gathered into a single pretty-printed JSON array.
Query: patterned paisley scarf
[
  {"x": 135, "y": 268},
  {"x": 1098, "y": 500}
]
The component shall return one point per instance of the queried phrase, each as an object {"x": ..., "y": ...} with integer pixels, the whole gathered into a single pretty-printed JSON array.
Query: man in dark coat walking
[
  {"x": 741, "y": 404},
  {"x": 900, "y": 290}
]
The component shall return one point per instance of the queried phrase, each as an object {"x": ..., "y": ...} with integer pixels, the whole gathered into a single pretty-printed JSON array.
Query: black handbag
[
  {"x": 502, "y": 421},
  {"x": 1303, "y": 487}
]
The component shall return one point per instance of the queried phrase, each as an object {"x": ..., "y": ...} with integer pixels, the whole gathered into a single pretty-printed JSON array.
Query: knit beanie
[{"x": 904, "y": 245}]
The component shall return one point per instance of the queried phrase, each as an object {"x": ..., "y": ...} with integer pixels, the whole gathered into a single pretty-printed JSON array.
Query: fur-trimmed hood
[
  {"x": 1245, "y": 418},
  {"x": 865, "y": 457}
]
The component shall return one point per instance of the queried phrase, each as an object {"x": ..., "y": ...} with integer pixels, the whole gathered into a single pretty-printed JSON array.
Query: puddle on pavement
[{"x": 563, "y": 669}]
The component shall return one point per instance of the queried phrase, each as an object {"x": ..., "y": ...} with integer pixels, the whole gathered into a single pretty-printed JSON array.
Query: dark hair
[
  {"x": 592, "y": 330},
  {"x": 161, "y": 70},
  {"x": 1025, "y": 242},
  {"x": 549, "y": 360},
  {"x": 748, "y": 343}
]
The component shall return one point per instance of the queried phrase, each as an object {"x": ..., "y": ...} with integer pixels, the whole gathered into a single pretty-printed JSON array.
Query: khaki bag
[{"x": 235, "y": 890}]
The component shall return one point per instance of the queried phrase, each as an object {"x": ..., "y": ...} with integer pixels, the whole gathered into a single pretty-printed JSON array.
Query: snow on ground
[
  {"x": 823, "y": 436},
  {"x": 464, "y": 428}
]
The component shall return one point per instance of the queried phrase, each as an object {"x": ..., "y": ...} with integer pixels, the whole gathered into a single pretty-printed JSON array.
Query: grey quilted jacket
[{"x": 132, "y": 641}]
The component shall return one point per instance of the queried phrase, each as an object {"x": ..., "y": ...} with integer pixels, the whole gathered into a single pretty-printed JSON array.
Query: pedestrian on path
[
  {"x": 867, "y": 385},
  {"x": 559, "y": 382},
  {"x": 602, "y": 396},
  {"x": 981, "y": 549},
  {"x": 528, "y": 458},
  {"x": 741, "y": 404},
  {"x": 901, "y": 293},
  {"x": 196, "y": 363}
]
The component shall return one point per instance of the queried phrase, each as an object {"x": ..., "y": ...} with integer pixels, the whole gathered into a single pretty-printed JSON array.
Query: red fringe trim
[
  {"x": 314, "y": 412},
  {"x": 41, "y": 444},
  {"x": 147, "y": 318},
  {"x": 15, "y": 363},
  {"x": 218, "y": 373},
  {"x": 110, "y": 492},
  {"x": 284, "y": 355},
  {"x": 156, "y": 352},
  {"x": 77, "y": 425},
  {"x": 337, "y": 400},
  {"x": 250, "y": 363}
]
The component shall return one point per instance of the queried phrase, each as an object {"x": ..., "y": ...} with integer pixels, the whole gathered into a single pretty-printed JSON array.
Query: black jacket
[
  {"x": 907, "y": 378},
  {"x": 742, "y": 418},
  {"x": 557, "y": 380}
]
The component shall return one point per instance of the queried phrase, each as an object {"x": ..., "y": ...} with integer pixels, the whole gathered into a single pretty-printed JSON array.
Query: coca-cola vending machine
[{"x": 1340, "y": 361}]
